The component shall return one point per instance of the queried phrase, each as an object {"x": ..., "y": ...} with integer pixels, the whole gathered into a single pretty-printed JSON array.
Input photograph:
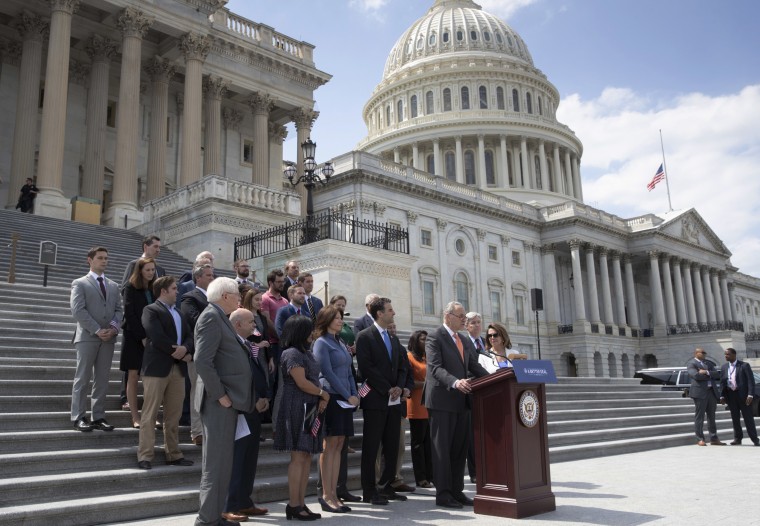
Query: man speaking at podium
[{"x": 451, "y": 361}]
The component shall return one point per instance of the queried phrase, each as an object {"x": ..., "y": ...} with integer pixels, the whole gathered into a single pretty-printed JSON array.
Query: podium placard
[{"x": 534, "y": 371}]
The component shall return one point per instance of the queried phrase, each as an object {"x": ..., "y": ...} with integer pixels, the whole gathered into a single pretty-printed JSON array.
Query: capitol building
[{"x": 169, "y": 117}]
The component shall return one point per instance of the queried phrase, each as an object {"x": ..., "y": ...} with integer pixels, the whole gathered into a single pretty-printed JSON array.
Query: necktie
[
  {"x": 478, "y": 345},
  {"x": 387, "y": 340},
  {"x": 102, "y": 287},
  {"x": 709, "y": 383},
  {"x": 460, "y": 347},
  {"x": 310, "y": 306},
  {"x": 298, "y": 311},
  {"x": 254, "y": 349}
]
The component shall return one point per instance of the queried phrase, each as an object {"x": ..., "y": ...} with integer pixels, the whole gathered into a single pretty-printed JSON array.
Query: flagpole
[{"x": 665, "y": 166}]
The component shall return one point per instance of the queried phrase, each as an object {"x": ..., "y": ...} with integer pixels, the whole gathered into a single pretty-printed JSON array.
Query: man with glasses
[{"x": 452, "y": 360}]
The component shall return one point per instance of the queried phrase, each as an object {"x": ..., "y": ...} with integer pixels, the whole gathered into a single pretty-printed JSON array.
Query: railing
[
  {"x": 565, "y": 329},
  {"x": 319, "y": 227}
]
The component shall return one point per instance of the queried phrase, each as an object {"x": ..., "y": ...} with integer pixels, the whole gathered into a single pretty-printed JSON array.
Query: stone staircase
[{"x": 52, "y": 474}]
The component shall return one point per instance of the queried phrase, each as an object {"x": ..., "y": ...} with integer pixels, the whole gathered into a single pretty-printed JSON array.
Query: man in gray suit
[
  {"x": 224, "y": 389},
  {"x": 96, "y": 306},
  {"x": 705, "y": 391}
]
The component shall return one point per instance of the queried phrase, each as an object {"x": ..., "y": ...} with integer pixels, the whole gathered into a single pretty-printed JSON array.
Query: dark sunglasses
[{"x": 493, "y": 335}]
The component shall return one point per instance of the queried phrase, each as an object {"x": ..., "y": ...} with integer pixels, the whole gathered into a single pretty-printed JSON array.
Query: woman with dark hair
[
  {"x": 335, "y": 378},
  {"x": 346, "y": 333},
  {"x": 497, "y": 346},
  {"x": 298, "y": 396},
  {"x": 422, "y": 453},
  {"x": 137, "y": 295},
  {"x": 262, "y": 327}
]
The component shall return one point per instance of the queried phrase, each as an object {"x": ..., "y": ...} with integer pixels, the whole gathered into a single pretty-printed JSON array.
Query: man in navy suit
[
  {"x": 246, "y": 455},
  {"x": 738, "y": 390},
  {"x": 168, "y": 351},
  {"x": 365, "y": 321},
  {"x": 296, "y": 306},
  {"x": 451, "y": 361},
  {"x": 380, "y": 358},
  {"x": 313, "y": 304}
]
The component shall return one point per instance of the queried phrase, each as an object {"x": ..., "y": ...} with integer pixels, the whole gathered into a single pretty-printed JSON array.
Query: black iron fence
[{"x": 319, "y": 227}]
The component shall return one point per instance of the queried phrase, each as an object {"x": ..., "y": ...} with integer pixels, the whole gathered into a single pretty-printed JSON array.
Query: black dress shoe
[
  {"x": 463, "y": 499},
  {"x": 448, "y": 502},
  {"x": 376, "y": 500},
  {"x": 403, "y": 488},
  {"x": 736, "y": 442},
  {"x": 179, "y": 462},
  {"x": 102, "y": 425},
  {"x": 326, "y": 507},
  {"x": 347, "y": 497},
  {"x": 83, "y": 425},
  {"x": 389, "y": 494},
  {"x": 144, "y": 464}
]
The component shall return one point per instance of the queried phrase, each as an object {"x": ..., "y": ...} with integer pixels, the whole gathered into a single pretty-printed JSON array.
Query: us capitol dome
[{"x": 461, "y": 98}]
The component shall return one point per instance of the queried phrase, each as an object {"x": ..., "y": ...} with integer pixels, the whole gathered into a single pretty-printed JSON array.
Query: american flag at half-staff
[
  {"x": 364, "y": 390},
  {"x": 659, "y": 176}
]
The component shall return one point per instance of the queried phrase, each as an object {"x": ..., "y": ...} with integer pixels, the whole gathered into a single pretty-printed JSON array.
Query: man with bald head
[{"x": 705, "y": 391}]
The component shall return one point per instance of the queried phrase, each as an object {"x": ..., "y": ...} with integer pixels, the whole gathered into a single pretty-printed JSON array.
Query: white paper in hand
[{"x": 242, "y": 429}]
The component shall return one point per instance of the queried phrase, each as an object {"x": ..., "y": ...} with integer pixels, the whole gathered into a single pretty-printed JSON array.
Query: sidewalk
[{"x": 681, "y": 485}]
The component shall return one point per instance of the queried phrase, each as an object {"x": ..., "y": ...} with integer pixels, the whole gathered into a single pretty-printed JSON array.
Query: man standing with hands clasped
[
  {"x": 705, "y": 391},
  {"x": 737, "y": 389},
  {"x": 451, "y": 361}
]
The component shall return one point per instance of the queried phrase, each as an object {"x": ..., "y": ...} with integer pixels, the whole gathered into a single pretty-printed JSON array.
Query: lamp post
[{"x": 311, "y": 176}]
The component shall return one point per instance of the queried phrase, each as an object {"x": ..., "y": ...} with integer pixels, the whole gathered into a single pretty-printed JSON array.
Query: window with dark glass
[
  {"x": 400, "y": 111},
  {"x": 430, "y": 161},
  {"x": 528, "y": 103},
  {"x": 451, "y": 166},
  {"x": 460, "y": 35},
  {"x": 469, "y": 167},
  {"x": 515, "y": 100},
  {"x": 447, "y": 99},
  {"x": 465, "y": 98},
  {"x": 500, "y": 98},
  {"x": 429, "y": 103},
  {"x": 446, "y": 36},
  {"x": 473, "y": 35},
  {"x": 413, "y": 104},
  {"x": 540, "y": 106},
  {"x": 483, "y": 96},
  {"x": 490, "y": 172}
]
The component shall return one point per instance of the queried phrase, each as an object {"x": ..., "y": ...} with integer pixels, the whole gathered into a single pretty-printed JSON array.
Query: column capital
[
  {"x": 100, "y": 49},
  {"x": 304, "y": 118},
  {"x": 714, "y": 272},
  {"x": 615, "y": 254},
  {"x": 134, "y": 23},
  {"x": 653, "y": 254},
  {"x": 67, "y": 6},
  {"x": 590, "y": 247},
  {"x": 411, "y": 217},
  {"x": 12, "y": 52},
  {"x": 481, "y": 232},
  {"x": 194, "y": 46},
  {"x": 547, "y": 249},
  {"x": 231, "y": 118},
  {"x": 160, "y": 69},
  {"x": 436, "y": 141},
  {"x": 575, "y": 244},
  {"x": 214, "y": 87},
  {"x": 723, "y": 274},
  {"x": 603, "y": 251},
  {"x": 676, "y": 260},
  {"x": 261, "y": 103},
  {"x": 442, "y": 224},
  {"x": 695, "y": 266},
  {"x": 30, "y": 26},
  {"x": 458, "y": 138},
  {"x": 627, "y": 258},
  {"x": 685, "y": 264},
  {"x": 504, "y": 240},
  {"x": 78, "y": 72},
  {"x": 277, "y": 132}
]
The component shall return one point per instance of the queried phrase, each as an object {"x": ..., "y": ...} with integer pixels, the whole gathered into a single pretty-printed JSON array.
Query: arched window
[
  {"x": 445, "y": 37},
  {"x": 451, "y": 166},
  {"x": 465, "y": 98},
  {"x": 431, "y": 39},
  {"x": 460, "y": 35},
  {"x": 473, "y": 35},
  {"x": 528, "y": 103},
  {"x": 413, "y": 109},
  {"x": 388, "y": 115},
  {"x": 400, "y": 111},
  {"x": 483, "y": 96},
  {"x": 469, "y": 167},
  {"x": 447, "y": 99},
  {"x": 462, "y": 289},
  {"x": 430, "y": 163},
  {"x": 537, "y": 165},
  {"x": 486, "y": 36},
  {"x": 429, "y": 103},
  {"x": 420, "y": 42},
  {"x": 515, "y": 100},
  {"x": 500, "y": 98},
  {"x": 540, "y": 106},
  {"x": 490, "y": 173},
  {"x": 498, "y": 38}
]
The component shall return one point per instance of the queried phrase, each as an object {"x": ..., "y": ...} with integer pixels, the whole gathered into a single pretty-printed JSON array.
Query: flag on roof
[{"x": 659, "y": 176}]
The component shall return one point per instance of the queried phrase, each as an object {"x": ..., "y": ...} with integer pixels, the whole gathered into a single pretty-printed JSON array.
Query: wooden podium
[{"x": 511, "y": 451}]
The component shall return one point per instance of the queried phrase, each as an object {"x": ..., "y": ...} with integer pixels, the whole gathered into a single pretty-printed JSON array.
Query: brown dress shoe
[
  {"x": 701, "y": 443},
  {"x": 717, "y": 442},
  {"x": 253, "y": 511},
  {"x": 198, "y": 441},
  {"x": 234, "y": 516}
]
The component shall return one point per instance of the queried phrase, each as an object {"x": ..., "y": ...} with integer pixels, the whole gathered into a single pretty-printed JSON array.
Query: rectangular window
[
  {"x": 111, "y": 114},
  {"x": 515, "y": 258},
  {"x": 493, "y": 253},
  {"x": 247, "y": 153},
  {"x": 426, "y": 237},
  {"x": 496, "y": 306},
  {"x": 428, "y": 298},
  {"x": 519, "y": 310}
]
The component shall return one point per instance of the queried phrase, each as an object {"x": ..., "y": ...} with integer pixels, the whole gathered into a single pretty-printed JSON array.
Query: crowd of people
[{"x": 239, "y": 353}]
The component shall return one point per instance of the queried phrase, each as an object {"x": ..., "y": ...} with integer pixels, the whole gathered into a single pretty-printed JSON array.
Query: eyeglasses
[
  {"x": 491, "y": 335},
  {"x": 460, "y": 316}
]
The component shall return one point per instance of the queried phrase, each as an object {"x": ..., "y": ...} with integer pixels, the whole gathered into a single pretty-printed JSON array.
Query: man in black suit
[
  {"x": 168, "y": 351},
  {"x": 312, "y": 303},
  {"x": 291, "y": 276},
  {"x": 379, "y": 357},
  {"x": 738, "y": 390},
  {"x": 246, "y": 453},
  {"x": 705, "y": 391},
  {"x": 451, "y": 361},
  {"x": 193, "y": 303},
  {"x": 151, "y": 249},
  {"x": 365, "y": 321}
]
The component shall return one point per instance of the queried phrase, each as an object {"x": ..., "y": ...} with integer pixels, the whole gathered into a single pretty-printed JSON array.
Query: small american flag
[
  {"x": 315, "y": 427},
  {"x": 364, "y": 390},
  {"x": 659, "y": 176}
]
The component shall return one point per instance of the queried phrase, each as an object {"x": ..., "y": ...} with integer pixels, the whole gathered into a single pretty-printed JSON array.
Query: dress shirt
[{"x": 177, "y": 320}]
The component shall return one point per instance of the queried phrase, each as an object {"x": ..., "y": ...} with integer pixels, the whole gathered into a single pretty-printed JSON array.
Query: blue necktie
[{"x": 387, "y": 340}]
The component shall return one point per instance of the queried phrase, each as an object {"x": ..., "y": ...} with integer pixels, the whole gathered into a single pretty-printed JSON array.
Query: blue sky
[{"x": 624, "y": 69}]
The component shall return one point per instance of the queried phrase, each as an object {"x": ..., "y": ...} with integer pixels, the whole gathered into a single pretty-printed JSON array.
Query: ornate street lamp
[{"x": 311, "y": 176}]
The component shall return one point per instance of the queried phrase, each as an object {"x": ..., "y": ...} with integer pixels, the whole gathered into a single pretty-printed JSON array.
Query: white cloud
[
  {"x": 504, "y": 8},
  {"x": 712, "y": 148},
  {"x": 368, "y": 6}
]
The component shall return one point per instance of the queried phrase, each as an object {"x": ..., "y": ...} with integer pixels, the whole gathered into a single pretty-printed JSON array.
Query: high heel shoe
[
  {"x": 296, "y": 512},
  {"x": 327, "y": 507},
  {"x": 311, "y": 513}
]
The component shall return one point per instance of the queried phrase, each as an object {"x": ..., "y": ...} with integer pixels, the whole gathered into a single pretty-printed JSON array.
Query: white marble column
[
  {"x": 32, "y": 29},
  {"x": 231, "y": 119},
  {"x": 100, "y": 50},
  {"x": 542, "y": 163},
  {"x": 654, "y": 282},
  {"x": 575, "y": 256},
  {"x": 593, "y": 294},
  {"x": 525, "y": 175},
  {"x": 437, "y": 157},
  {"x": 707, "y": 289},
  {"x": 577, "y": 185},
  {"x": 715, "y": 287},
  {"x": 558, "y": 186},
  {"x": 134, "y": 25},
  {"x": 606, "y": 291},
  {"x": 699, "y": 295},
  {"x": 551, "y": 290},
  {"x": 727, "y": 310},
  {"x": 504, "y": 182},
  {"x": 617, "y": 279},
  {"x": 277, "y": 135},
  {"x": 480, "y": 180},
  {"x": 261, "y": 104},
  {"x": 214, "y": 89},
  {"x": 415, "y": 156},
  {"x": 630, "y": 286},
  {"x": 689, "y": 292},
  {"x": 397, "y": 155},
  {"x": 51, "y": 202},
  {"x": 670, "y": 306},
  {"x": 732, "y": 302},
  {"x": 195, "y": 48},
  {"x": 459, "y": 160},
  {"x": 160, "y": 72},
  {"x": 569, "y": 175},
  {"x": 681, "y": 315},
  {"x": 304, "y": 119}
]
